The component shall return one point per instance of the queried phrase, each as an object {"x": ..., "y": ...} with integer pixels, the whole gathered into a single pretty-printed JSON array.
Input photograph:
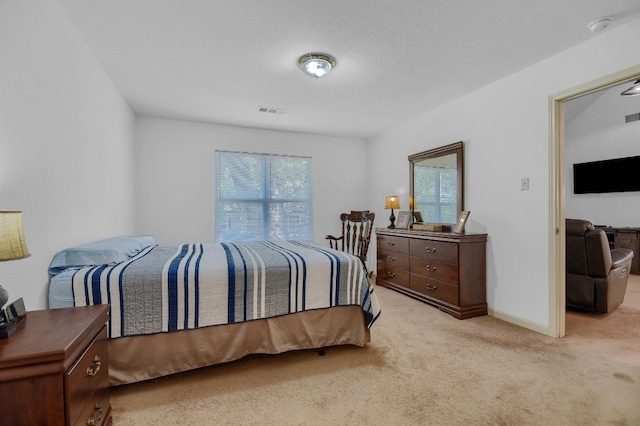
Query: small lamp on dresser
[
  {"x": 392, "y": 202},
  {"x": 12, "y": 247}
]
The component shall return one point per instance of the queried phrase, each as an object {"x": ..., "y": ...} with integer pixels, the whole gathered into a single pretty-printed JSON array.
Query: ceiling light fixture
[
  {"x": 316, "y": 64},
  {"x": 599, "y": 24},
  {"x": 633, "y": 90}
]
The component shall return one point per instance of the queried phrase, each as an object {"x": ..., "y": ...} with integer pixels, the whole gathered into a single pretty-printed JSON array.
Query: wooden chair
[{"x": 356, "y": 234}]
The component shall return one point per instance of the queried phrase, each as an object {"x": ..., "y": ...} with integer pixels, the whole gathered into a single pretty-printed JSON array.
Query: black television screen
[{"x": 617, "y": 175}]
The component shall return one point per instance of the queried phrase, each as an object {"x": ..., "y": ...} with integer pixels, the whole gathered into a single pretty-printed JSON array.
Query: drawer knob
[
  {"x": 391, "y": 243},
  {"x": 391, "y": 274},
  {"x": 94, "y": 368},
  {"x": 96, "y": 416},
  {"x": 431, "y": 250},
  {"x": 431, "y": 287},
  {"x": 431, "y": 268},
  {"x": 393, "y": 259}
]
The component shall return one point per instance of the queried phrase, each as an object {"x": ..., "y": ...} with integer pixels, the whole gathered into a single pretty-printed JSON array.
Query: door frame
[{"x": 557, "y": 293}]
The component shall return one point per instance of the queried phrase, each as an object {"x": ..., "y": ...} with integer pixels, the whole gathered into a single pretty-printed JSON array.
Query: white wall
[
  {"x": 505, "y": 127},
  {"x": 599, "y": 132},
  {"x": 175, "y": 181},
  {"x": 66, "y": 143}
]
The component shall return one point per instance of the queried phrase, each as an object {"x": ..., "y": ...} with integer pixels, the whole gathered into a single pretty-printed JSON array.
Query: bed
[{"x": 179, "y": 307}]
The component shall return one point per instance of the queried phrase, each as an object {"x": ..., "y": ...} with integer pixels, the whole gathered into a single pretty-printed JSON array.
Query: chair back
[
  {"x": 587, "y": 249},
  {"x": 356, "y": 234}
]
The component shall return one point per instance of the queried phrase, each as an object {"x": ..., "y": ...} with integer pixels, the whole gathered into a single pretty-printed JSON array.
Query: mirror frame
[{"x": 454, "y": 148}]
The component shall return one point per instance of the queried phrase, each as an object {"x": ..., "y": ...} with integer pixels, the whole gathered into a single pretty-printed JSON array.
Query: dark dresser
[{"x": 446, "y": 270}]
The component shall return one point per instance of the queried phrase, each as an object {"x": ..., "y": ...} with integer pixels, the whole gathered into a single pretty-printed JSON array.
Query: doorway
[{"x": 557, "y": 295}]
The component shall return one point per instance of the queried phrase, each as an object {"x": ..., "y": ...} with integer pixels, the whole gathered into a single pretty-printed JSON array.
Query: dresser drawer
[
  {"x": 438, "y": 250},
  {"x": 396, "y": 244},
  {"x": 87, "y": 382},
  {"x": 434, "y": 269},
  {"x": 394, "y": 275},
  {"x": 432, "y": 288},
  {"x": 394, "y": 259}
]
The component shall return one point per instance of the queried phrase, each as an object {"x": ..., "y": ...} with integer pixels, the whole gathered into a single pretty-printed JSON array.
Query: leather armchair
[{"x": 597, "y": 276}]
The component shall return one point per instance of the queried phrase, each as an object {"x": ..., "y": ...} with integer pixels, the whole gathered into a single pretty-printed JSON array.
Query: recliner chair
[{"x": 596, "y": 276}]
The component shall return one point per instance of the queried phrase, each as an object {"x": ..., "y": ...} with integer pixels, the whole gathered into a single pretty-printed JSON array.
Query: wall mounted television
[{"x": 616, "y": 175}]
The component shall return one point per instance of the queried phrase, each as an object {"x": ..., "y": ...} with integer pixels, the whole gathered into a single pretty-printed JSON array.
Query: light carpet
[{"x": 422, "y": 367}]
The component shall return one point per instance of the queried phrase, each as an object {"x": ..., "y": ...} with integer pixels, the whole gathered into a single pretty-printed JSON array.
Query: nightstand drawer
[
  {"x": 432, "y": 288},
  {"x": 87, "y": 379},
  {"x": 434, "y": 269},
  {"x": 438, "y": 250},
  {"x": 96, "y": 410}
]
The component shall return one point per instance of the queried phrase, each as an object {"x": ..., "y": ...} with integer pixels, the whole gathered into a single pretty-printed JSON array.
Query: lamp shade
[
  {"x": 392, "y": 202},
  {"x": 12, "y": 243}
]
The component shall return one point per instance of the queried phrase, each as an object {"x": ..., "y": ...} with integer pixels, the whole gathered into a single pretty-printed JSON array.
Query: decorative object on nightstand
[
  {"x": 392, "y": 202},
  {"x": 12, "y": 247}
]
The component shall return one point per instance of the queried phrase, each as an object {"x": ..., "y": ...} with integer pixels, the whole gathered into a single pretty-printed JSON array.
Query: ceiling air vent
[
  {"x": 273, "y": 110},
  {"x": 632, "y": 117}
]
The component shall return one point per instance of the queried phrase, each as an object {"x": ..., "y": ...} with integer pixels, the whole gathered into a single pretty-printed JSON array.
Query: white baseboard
[{"x": 534, "y": 326}]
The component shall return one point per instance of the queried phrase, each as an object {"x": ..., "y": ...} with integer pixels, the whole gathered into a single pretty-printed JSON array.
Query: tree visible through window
[{"x": 263, "y": 197}]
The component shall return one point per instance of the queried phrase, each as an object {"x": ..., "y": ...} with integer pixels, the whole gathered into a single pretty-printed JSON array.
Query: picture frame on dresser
[
  {"x": 462, "y": 221},
  {"x": 403, "y": 219}
]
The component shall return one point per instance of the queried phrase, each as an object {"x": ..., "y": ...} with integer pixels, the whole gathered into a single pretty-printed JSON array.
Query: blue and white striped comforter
[{"x": 170, "y": 288}]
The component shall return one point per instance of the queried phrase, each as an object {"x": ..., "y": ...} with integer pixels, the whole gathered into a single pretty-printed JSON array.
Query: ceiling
[{"x": 218, "y": 61}]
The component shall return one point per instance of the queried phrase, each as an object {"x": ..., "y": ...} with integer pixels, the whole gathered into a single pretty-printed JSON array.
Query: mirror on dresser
[{"x": 436, "y": 184}]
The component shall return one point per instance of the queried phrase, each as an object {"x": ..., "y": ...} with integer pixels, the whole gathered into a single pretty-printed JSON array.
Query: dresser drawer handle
[
  {"x": 391, "y": 274},
  {"x": 432, "y": 287},
  {"x": 391, "y": 243},
  {"x": 431, "y": 268},
  {"x": 431, "y": 250},
  {"x": 393, "y": 259},
  {"x": 94, "y": 368},
  {"x": 96, "y": 416}
]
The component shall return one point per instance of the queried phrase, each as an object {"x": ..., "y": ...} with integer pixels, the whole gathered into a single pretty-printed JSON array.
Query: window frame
[{"x": 266, "y": 200}]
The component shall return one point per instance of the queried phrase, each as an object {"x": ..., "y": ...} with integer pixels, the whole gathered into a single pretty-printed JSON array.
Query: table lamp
[
  {"x": 12, "y": 247},
  {"x": 392, "y": 202}
]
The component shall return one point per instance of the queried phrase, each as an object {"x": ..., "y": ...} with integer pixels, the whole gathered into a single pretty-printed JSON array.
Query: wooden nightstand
[{"x": 54, "y": 369}]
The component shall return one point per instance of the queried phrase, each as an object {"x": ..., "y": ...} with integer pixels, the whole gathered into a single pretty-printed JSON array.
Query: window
[
  {"x": 435, "y": 191},
  {"x": 263, "y": 197}
]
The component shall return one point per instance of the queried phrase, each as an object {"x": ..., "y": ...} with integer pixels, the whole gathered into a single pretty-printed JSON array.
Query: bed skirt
[{"x": 136, "y": 358}]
